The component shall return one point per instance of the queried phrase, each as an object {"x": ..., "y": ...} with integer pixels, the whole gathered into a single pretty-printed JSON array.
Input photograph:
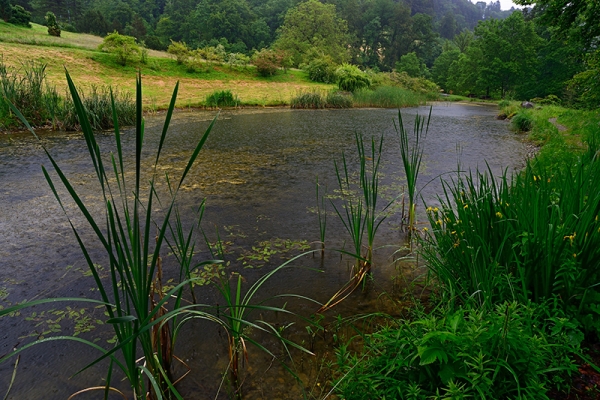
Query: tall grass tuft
[
  {"x": 98, "y": 104},
  {"x": 317, "y": 100},
  {"x": 222, "y": 98},
  {"x": 29, "y": 92},
  {"x": 387, "y": 97},
  {"x": 411, "y": 152}
]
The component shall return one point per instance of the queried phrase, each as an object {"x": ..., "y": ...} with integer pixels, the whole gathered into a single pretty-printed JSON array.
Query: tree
[
  {"x": 5, "y": 10},
  {"x": 441, "y": 67},
  {"x": 313, "y": 25},
  {"x": 53, "y": 27},
  {"x": 124, "y": 47},
  {"x": 20, "y": 16},
  {"x": 581, "y": 16},
  {"x": 508, "y": 53},
  {"x": 411, "y": 64}
]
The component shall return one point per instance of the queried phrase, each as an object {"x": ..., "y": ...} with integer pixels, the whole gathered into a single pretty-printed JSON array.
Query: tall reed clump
[
  {"x": 134, "y": 298},
  {"x": 359, "y": 212},
  {"x": 533, "y": 237},
  {"x": 27, "y": 90},
  {"x": 411, "y": 152},
  {"x": 98, "y": 105},
  {"x": 387, "y": 97}
]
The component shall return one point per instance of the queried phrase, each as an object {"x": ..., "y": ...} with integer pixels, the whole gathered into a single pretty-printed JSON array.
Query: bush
[
  {"x": 153, "y": 42},
  {"x": 322, "y": 69},
  {"x": 266, "y": 61},
  {"x": 53, "y": 28},
  {"x": 351, "y": 78},
  {"x": 179, "y": 50},
  {"x": 20, "y": 16},
  {"x": 336, "y": 99},
  {"x": 222, "y": 98},
  {"x": 522, "y": 121},
  {"x": 513, "y": 351},
  {"x": 124, "y": 47}
]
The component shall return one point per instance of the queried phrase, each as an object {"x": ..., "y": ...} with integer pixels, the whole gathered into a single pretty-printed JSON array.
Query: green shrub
[
  {"x": 179, "y": 50},
  {"x": 322, "y": 69},
  {"x": 522, "y": 121},
  {"x": 512, "y": 351},
  {"x": 53, "y": 27},
  {"x": 124, "y": 47},
  {"x": 222, "y": 98},
  {"x": 266, "y": 61},
  {"x": 351, "y": 78}
]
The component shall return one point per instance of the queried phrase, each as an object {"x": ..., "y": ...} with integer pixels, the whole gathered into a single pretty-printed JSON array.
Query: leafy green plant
[
  {"x": 351, "y": 78},
  {"x": 530, "y": 238},
  {"x": 512, "y": 351},
  {"x": 122, "y": 46},
  {"x": 179, "y": 50},
  {"x": 222, "y": 98},
  {"x": 322, "y": 69},
  {"x": 311, "y": 99}
]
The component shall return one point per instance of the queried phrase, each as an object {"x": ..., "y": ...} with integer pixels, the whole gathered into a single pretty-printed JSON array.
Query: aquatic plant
[
  {"x": 322, "y": 217},
  {"x": 532, "y": 237},
  {"x": 412, "y": 155},
  {"x": 134, "y": 298},
  {"x": 360, "y": 212}
]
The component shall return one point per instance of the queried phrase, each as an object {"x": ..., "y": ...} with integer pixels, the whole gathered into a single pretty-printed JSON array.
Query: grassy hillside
[{"x": 88, "y": 66}]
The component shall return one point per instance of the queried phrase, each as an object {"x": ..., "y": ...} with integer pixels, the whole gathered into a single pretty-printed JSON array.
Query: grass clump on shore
[
  {"x": 387, "y": 97},
  {"x": 222, "y": 98},
  {"x": 317, "y": 100}
]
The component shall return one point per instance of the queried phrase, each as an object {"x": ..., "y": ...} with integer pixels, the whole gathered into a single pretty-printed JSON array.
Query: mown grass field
[{"x": 88, "y": 66}]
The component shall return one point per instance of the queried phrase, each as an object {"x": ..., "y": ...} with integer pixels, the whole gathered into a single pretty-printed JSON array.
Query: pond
[{"x": 258, "y": 174}]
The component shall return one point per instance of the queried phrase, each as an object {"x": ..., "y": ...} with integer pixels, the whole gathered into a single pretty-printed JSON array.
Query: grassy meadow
[{"x": 88, "y": 66}]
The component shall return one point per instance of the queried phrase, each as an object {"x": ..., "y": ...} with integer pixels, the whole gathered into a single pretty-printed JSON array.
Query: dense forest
[{"x": 543, "y": 51}]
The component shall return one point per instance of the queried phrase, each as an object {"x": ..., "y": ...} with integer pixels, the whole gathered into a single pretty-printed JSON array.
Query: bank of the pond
[{"x": 515, "y": 268}]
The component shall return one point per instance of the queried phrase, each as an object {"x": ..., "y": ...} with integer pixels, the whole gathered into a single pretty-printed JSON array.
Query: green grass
[{"x": 387, "y": 97}]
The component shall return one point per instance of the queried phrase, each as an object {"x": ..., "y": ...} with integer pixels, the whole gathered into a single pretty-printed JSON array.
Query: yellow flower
[
  {"x": 439, "y": 222},
  {"x": 425, "y": 229},
  {"x": 574, "y": 255},
  {"x": 499, "y": 214},
  {"x": 466, "y": 206},
  {"x": 435, "y": 209},
  {"x": 534, "y": 178},
  {"x": 453, "y": 233},
  {"x": 429, "y": 209}
]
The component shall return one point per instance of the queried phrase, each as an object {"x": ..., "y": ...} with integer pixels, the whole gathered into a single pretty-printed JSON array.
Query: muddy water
[{"x": 257, "y": 173}]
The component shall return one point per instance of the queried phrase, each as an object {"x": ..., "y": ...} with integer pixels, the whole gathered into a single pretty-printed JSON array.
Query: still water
[{"x": 258, "y": 173}]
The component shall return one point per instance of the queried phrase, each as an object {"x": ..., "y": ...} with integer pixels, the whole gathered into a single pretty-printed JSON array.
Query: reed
[
  {"x": 222, "y": 98},
  {"x": 133, "y": 296},
  {"x": 322, "y": 217},
  {"x": 411, "y": 152}
]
